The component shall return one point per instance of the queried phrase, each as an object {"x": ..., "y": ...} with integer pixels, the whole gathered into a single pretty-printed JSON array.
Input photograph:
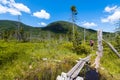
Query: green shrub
[
  {"x": 67, "y": 45},
  {"x": 82, "y": 49}
]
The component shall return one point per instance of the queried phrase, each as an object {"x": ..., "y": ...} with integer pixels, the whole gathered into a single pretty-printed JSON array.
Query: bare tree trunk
[{"x": 100, "y": 50}]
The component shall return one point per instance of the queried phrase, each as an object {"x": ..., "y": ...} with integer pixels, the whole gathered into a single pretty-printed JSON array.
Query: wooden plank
[
  {"x": 73, "y": 73},
  {"x": 77, "y": 68},
  {"x": 69, "y": 74},
  {"x": 113, "y": 49}
]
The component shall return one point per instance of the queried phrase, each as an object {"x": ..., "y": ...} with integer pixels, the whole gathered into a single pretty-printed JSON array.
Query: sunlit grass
[
  {"x": 20, "y": 60},
  {"x": 46, "y": 60}
]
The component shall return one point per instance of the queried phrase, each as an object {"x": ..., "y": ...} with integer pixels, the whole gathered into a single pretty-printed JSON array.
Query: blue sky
[{"x": 94, "y": 14}]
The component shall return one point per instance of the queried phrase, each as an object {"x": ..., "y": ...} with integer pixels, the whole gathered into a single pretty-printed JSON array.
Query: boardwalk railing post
[
  {"x": 99, "y": 51},
  {"x": 100, "y": 47}
]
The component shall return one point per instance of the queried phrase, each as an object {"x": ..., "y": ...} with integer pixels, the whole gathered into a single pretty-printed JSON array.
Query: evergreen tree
[
  {"x": 74, "y": 13},
  {"x": 77, "y": 42}
]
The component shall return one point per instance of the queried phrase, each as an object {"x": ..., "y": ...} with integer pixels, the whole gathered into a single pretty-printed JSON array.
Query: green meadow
[{"x": 45, "y": 60}]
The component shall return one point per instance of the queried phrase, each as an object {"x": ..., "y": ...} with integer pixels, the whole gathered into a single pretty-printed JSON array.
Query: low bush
[{"x": 82, "y": 49}]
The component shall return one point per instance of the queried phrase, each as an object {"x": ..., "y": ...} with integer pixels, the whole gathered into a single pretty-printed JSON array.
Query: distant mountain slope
[
  {"x": 59, "y": 27},
  {"x": 8, "y": 25},
  {"x": 56, "y": 27},
  {"x": 12, "y": 25},
  {"x": 63, "y": 27}
]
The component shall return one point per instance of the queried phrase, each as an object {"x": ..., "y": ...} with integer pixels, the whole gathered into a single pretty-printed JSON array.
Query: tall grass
[
  {"x": 25, "y": 60},
  {"x": 111, "y": 65},
  {"x": 47, "y": 59}
]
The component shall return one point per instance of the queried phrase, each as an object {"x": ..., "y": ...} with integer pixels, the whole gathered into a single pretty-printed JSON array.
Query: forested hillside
[{"x": 59, "y": 29}]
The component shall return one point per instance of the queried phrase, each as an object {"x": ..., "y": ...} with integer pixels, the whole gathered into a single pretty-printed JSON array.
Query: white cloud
[
  {"x": 3, "y": 9},
  {"x": 42, "y": 24},
  {"x": 42, "y": 14},
  {"x": 111, "y": 18},
  {"x": 21, "y": 7},
  {"x": 10, "y": 6},
  {"x": 14, "y": 11},
  {"x": 104, "y": 20},
  {"x": 4, "y": 2},
  {"x": 89, "y": 24},
  {"x": 110, "y": 9},
  {"x": 115, "y": 15}
]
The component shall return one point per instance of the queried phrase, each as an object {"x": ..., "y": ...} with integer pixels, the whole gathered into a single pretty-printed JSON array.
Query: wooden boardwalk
[
  {"x": 113, "y": 49},
  {"x": 73, "y": 73}
]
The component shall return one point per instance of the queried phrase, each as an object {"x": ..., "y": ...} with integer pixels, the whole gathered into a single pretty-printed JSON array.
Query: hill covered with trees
[{"x": 57, "y": 28}]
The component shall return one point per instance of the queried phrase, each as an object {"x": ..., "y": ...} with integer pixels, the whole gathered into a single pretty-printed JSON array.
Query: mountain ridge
[{"x": 58, "y": 24}]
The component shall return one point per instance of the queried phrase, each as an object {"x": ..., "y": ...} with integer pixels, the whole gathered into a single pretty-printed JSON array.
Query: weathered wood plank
[
  {"x": 113, "y": 49},
  {"x": 69, "y": 74},
  {"x": 77, "y": 68}
]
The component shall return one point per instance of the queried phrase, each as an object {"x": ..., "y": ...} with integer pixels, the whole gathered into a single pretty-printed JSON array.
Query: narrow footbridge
[{"x": 73, "y": 73}]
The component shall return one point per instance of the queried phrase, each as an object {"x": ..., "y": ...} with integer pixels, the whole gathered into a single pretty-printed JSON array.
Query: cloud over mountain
[
  {"x": 42, "y": 24},
  {"x": 42, "y": 14},
  {"x": 89, "y": 24},
  {"x": 10, "y": 6},
  {"x": 114, "y": 14}
]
